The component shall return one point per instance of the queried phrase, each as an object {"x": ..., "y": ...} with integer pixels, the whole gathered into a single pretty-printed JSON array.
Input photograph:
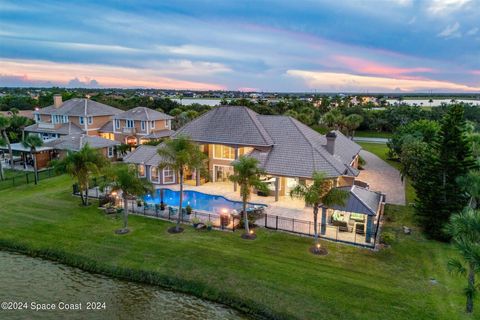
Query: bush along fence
[
  {"x": 26, "y": 177},
  {"x": 200, "y": 219}
]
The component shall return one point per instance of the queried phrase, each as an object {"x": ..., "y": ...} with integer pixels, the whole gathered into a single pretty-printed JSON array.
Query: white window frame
[
  {"x": 90, "y": 120},
  {"x": 144, "y": 171},
  {"x": 168, "y": 124},
  {"x": 152, "y": 124},
  {"x": 167, "y": 169},
  {"x": 38, "y": 117},
  {"x": 129, "y": 124},
  {"x": 151, "y": 174},
  {"x": 110, "y": 152},
  {"x": 142, "y": 124},
  {"x": 81, "y": 120},
  {"x": 117, "y": 124},
  {"x": 221, "y": 153}
]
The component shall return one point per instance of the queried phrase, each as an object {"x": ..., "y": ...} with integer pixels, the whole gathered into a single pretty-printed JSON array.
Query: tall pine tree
[{"x": 438, "y": 193}]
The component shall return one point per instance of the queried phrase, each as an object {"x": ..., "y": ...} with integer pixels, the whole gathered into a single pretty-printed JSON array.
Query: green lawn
[
  {"x": 274, "y": 275},
  {"x": 373, "y": 134},
  {"x": 381, "y": 151}
]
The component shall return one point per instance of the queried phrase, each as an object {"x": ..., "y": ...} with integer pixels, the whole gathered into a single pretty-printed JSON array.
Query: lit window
[
  {"x": 154, "y": 174},
  {"x": 141, "y": 170},
  {"x": 224, "y": 152},
  {"x": 168, "y": 175}
]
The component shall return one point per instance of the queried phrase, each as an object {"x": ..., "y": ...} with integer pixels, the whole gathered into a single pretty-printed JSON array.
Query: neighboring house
[
  {"x": 22, "y": 113},
  {"x": 75, "y": 142},
  {"x": 137, "y": 126},
  {"x": 73, "y": 116}
]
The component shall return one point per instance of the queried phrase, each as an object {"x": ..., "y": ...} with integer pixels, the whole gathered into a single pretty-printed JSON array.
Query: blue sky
[{"x": 348, "y": 45}]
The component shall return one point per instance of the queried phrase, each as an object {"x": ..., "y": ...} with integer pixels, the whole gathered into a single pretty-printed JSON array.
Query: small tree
[
  {"x": 181, "y": 154},
  {"x": 352, "y": 122},
  {"x": 320, "y": 193},
  {"x": 82, "y": 165},
  {"x": 125, "y": 179},
  {"x": 247, "y": 175},
  {"x": 5, "y": 124},
  {"x": 32, "y": 142},
  {"x": 464, "y": 228}
]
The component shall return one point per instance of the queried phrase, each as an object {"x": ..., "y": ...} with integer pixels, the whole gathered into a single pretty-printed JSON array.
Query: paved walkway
[
  {"x": 371, "y": 140},
  {"x": 382, "y": 177}
]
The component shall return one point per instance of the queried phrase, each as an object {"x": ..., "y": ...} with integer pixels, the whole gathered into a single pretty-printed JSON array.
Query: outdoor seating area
[{"x": 348, "y": 221}]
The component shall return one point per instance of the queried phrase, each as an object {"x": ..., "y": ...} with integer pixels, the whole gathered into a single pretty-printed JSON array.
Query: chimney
[
  {"x": 57, "y": 100},
  {"x": 331, "y": 136}
]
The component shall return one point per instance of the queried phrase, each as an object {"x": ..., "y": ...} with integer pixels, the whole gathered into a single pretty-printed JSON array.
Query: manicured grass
[
  {"x": 381, "y": 150},
  {"x": 274, "y": 275},
  {"x": 373, "y": 134}
]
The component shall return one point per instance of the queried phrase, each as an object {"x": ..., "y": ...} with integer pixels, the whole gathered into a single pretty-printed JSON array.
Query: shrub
[
  {"x": 388, "y": 237},
  {"x": 188, "y": 209},
  {"x": 195, "y": 221}
]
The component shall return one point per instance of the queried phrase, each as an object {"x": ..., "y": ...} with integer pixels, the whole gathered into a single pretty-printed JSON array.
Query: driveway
[{"x": 382, "y": 177}]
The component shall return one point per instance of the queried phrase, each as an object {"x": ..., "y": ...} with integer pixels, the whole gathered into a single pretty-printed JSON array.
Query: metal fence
[
  {"x": 26, "y": 177},
  {"x": 273, "y": 222}
]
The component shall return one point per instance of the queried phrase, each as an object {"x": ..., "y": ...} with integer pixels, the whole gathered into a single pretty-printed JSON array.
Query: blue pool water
[{"x": 197, "y": 200}]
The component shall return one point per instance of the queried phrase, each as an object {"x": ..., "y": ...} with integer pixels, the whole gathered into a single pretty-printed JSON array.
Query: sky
[{"x": 288, "y": 46}]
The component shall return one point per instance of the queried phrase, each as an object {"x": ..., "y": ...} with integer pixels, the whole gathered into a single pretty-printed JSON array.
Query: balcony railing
[{"x": 129, "y": 130}]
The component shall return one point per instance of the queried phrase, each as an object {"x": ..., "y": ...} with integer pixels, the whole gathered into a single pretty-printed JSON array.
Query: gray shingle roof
[
  {"x": 65, "y": 128},
  {"x": 361, "y": 200},
  {"x": 107, "y": 127},
  {"x": 228, "y": 125},
  {"x": 76, "y": 107},
  {"x": 298, "y": 150},
  {"x": 141, "y": 155},
  {"x": 143, "y": 113},
  {"x": 160, "y": 134},
  {"x": 75, "y": 142}
]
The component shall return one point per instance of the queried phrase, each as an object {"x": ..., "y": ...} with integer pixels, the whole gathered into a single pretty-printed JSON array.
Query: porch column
[
  {"x": 323, "y": 225},
  {"x": 277, "y": 185},
  {"x": 236, "y": 157},
  {"x": 197, "y": 177},
  {"x": 368, "y": 237}
]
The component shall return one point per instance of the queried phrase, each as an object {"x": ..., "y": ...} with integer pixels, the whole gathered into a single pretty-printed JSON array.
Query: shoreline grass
[{"x": 274, "y": 276}]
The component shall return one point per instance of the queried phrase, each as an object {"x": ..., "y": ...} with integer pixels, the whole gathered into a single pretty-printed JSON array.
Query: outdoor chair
[
  {"x": 342, "y": 225},
  {"x": 360, "y": 228}
]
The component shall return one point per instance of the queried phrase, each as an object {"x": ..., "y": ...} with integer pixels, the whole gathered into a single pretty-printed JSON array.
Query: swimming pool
[{"x": 197, "y": 200}]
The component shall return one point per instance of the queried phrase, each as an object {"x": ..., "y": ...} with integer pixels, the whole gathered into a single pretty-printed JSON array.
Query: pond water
[
  {"x": 38, "y": 282},
  {"x": 197, "y": 200}
]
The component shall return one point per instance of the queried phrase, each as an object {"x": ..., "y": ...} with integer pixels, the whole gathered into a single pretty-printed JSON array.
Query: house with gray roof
[
  {"x": 73, "y": 116},
  {"x": 137, "y": 126},
  {"x": 75, "y": 142}
]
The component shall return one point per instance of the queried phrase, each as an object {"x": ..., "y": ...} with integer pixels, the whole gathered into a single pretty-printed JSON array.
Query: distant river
[
  {"x": 26, "y": 279},
  {"x": 435, "y": 102}
]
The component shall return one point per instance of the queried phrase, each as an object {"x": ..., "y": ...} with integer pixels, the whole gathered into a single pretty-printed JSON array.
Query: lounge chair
[{"x": 360, "y": 228}]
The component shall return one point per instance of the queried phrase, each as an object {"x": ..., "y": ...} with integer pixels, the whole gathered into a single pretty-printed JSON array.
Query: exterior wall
[
  {"x": 97, "y": 122},
  {"x": 123, "y": 133},
  {"x": 345, "y": 181},
  {"x": 43, "y": 159}
]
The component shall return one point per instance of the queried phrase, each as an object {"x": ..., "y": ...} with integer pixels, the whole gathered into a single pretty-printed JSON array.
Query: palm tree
[
  {"x": 19, "y": 123},
  {"x": 247, "y": 175},
  {"x": 470, "y": 184},
  {"x": 5, "y": 124},
  {"x": 2, "y": 175},
  {"x": 320, "y": 193},
  {"x": 352, "y": 122},
  {"x": 82, "y": 165},
  {"x": 333, "y": 119},
  {"x": 465, "y": 231},
  {"x": 181, "y": 154},
  {"x": 125, "y": 179},
  {"x": 32, "y": 142}
]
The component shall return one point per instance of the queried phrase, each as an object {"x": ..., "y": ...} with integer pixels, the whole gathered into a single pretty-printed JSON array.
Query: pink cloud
[
  {"x": 476, "y": 72},
  {"x": 370, "y": 67}
]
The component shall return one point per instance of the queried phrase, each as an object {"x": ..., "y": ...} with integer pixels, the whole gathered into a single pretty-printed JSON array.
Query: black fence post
[
  {"x": 276, "y": 223},
  {"x": 266, "y": 220}
]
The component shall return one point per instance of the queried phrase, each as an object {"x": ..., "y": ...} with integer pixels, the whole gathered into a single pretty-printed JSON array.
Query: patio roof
[
  {"x": 361, "y": 200},
  {"x": 19, "y": 147}
]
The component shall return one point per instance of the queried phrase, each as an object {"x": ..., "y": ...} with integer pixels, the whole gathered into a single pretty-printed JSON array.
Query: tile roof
[
  {"x": 107, "y": 127},
  {"x": 234, "y": 125},
  {"x": 141, "y": 155},
  {"x": 63, "y": 129},
  {"x": 80, "y": 107},
  {"x": 361, "y": 200},
  {"x": 143, "y": 113},
  {"x": 160, "y": 134},
  {"x": 75, "y": 142}
]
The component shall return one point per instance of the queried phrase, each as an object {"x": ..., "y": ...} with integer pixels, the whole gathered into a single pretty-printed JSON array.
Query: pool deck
[{"x": 284, "y": 207}]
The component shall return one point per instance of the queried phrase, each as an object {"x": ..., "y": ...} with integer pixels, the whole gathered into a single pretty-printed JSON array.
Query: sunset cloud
[
  {"x": 356, "y": 83},
  {"x": 370, "y": 67},
  {"x": 35, "y": 71}
]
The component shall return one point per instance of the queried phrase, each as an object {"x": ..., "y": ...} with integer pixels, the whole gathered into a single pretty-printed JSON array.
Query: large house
[
  {"x": 74, "y": 116},
  {"x": 137, "y": 125},
  {"x": 287, "y": 150}
]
